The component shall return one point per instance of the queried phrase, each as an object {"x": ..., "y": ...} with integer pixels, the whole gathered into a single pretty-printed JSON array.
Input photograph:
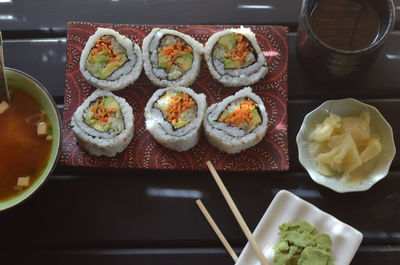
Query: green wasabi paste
[{"x": 300, "y": 244}]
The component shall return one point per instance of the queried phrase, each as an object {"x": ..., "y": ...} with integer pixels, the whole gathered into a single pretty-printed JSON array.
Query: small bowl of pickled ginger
[{"x": 346, "y": 145}]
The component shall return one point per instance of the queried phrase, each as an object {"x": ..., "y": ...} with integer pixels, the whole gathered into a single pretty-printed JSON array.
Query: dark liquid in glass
[{"x": 345, "y": 24}]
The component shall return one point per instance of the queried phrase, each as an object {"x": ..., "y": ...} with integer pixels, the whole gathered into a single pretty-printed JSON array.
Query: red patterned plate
[{"x": 144, "y": 152}]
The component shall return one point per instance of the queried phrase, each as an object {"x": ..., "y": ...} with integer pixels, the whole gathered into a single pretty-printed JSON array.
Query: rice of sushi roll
[
  {"x": 236, "y": 123},
  {"x": 174, "y": 116},
  {"x": 171, "y": 58},
  {"x": 234, "y": 57},
  {"x": 103, "y": 124},
  {"x": 110, "y": 61}
]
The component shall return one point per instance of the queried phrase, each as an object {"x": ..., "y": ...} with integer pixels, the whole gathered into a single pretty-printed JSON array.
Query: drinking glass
[{"x": 326, "y": 63}]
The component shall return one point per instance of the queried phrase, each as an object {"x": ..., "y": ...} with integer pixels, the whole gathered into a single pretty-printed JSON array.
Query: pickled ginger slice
[
  {"x": 325, "y": 169},
  {"x": 374, "y": 147},
  {"x": 344, "y": 155},
  {"x": 358, "y": 128},
  {"x": 325, "y": 130},
  {"x": 318, "y": 148}
]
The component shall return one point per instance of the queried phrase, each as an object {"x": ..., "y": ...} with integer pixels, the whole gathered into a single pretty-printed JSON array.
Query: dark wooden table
[{"x": 93, "y": 216}]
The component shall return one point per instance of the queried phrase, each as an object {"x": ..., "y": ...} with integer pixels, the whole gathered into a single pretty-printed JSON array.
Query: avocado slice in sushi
[
  {"x": 175, "y": 56},
  {"x": 185, "y": 61},
  {"x": 242, "y": 113},
  {"x": 235, "y": 51},
  {"x": 104, "y": 115},
  {"x": 177, "y": 107},
  {"x": 106, "y": 57},
  {"x": 228, "y": 41}
]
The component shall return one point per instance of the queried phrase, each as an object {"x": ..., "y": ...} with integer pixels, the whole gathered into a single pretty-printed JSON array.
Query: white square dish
[{"x": 288, "y": 207}]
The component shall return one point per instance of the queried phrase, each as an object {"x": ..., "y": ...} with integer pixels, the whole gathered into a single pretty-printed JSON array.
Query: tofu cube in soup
[
  {"x": 42, "y": 128},
  {"x": 23, "y": 181},
  {"x": 3, "y": 107}
]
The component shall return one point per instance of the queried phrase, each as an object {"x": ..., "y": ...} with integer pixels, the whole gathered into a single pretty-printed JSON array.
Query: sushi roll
[
  {"x": 110, "y": 61},
  {"x": 236, "y": 123},
  {"x": 234, "y": 57},
  {"x": 171, "y": 58},
  {"x": 174, "y": 116},
  {"x": 103, "y": 124}
]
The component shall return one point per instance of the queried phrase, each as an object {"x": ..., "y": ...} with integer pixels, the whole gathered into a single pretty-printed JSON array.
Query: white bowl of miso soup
[{"x": 30, "y": 138}]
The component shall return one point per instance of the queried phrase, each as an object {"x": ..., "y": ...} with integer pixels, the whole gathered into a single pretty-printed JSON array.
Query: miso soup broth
[{"x": 25, "y": 144}]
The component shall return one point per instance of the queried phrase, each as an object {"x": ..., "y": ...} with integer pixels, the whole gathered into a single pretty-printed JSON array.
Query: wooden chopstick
[
  {"x": 217, "y": 230},
  {"x": 237, "y": 214}
]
